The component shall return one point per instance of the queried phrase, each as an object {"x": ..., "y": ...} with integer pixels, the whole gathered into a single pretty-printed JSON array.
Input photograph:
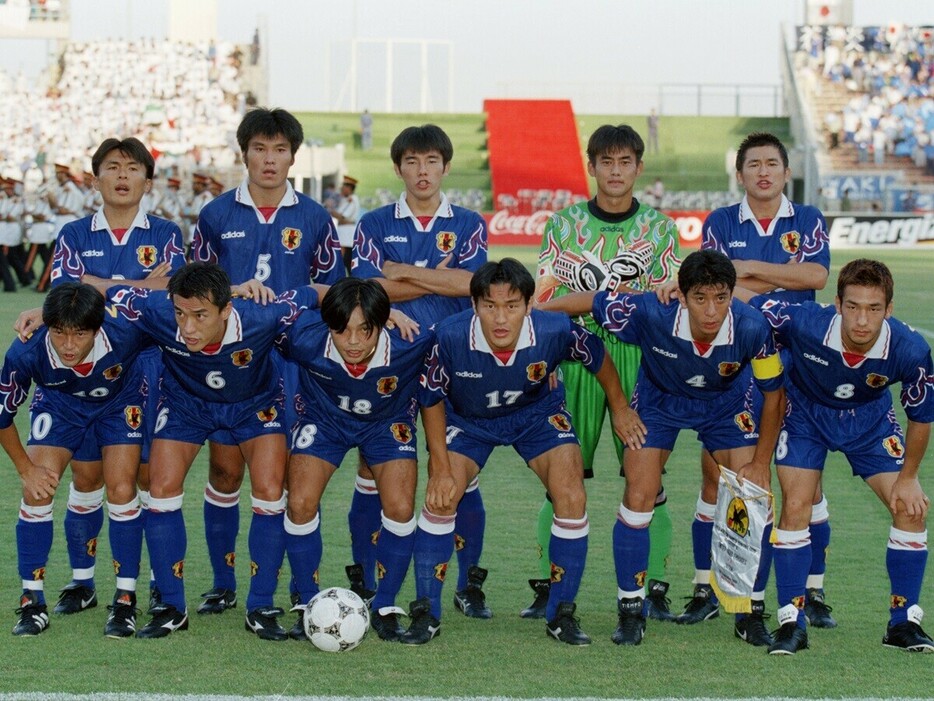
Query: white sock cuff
[
  {"x": 268, "y": 508},
  {"x": 791, "y": 540},
  {"x": 159, "y": 506},
  {"x": 704, "y": 511},
  {"x": 635, "y": 519},
  {"x": 84, "y": 502},
  {"x": 905, "y": 540},
  {"x": 124, "y": 512},
  {"x": 701, "y": 577},
  {"x": 820, "y": 512},
  {"x": 814, "y": 581},
  {"x": 634, "y": 594},
  {"x": 219, "y": 499},
  {"x": 570, "y": 528},
  {"x": 365, "y": 486},
  {"x": 144, "y": 497},
  {"x": 126, "y": 583},
  {"x": 434, "y": 524},
  {"x": 473, "y": 486},
  {"x": 302, "y": 528},
  {"x": 397, "y": 527},
  {"x": 35, "y": 514}
]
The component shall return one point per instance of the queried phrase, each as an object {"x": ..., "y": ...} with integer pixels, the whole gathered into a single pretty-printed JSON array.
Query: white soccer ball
[{"x": 336, "y": 620}]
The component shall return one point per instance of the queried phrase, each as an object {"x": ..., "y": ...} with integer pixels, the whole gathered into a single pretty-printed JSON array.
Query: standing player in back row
[
  {"x": 609, "y": 241},
  {"x": 260, "y": 233},
  {"x": 423, "y": 250}
]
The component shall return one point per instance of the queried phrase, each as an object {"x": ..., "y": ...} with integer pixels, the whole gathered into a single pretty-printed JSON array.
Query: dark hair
[
  {"x": 508, "y": 271},
  {"x": 756, "y": 139},
  {"x": 423, "y": 139},
  {"x": 270, "y": 123},
  {"x": 707, "y": 267},
  {"x": 609, "y": 139},
  {"x": 864, "y": 272},
  {"x": 206, "y": 281},
  {"x": 73, "y": 305},
  {"x": 130, "y": 147},
  {"x": 347, "y": 294}
]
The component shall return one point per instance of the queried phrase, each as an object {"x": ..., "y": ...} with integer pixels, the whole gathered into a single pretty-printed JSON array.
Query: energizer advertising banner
[{"x": 880, "y": 229}]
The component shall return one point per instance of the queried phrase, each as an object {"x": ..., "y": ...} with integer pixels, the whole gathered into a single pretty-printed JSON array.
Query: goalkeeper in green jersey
[{"x": 610, "y": 242}]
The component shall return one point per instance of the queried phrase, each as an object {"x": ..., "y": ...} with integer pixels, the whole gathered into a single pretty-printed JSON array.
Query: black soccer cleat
[
  {"x": 424, "y": 626},
  {"x": 75, "y": 598},
  {"x": 657, "y": 604},
  {"x": 357, "y": 586},
  {"x": 265, "y": 624},
  {"x": 788, "y": 639},
  {"x": 542, "y": 588},
  {"x": 702, "y": 607},
  {"x": 166, "y": 619},
  {"x": 121, "y": 623},
  {"x": 565, "y": 627},
  {"x": 817, "y": 611},
  {"x": 385, "y": 622},
  {"x": 751, "y": 628},
  {"x": 908, "y": 635},
  {"x": 472, "y": 601},
  {"x": 631, "y": 627},
  {"x": 33, "y": 616},
  {"x": 218, "y": 600},
  {"x": 155, "y": 597}
]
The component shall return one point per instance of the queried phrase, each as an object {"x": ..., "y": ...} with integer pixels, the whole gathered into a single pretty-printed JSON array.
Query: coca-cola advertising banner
[{"x": 507, "y": 228}]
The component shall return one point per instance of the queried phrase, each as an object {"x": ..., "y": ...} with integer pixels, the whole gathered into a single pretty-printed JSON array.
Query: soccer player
[
  {"x": 699, "y": 358},
  {"x": 262, "y": 233},
  {"x": 118, "y": 242},
  {"x": 88, "y": 387},
  {"x": 423, "y": 251},
  {"x": 219, "y": 376},
  {"x": 359, "y": 385},
  {"x": 779, "y": 249},
  {"x": 609, "y": 241},
  {"x": 844, "y": 358},
  {"x": 491, "y": 365}
]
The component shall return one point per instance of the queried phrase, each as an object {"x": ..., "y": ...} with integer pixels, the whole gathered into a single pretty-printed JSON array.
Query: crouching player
[
  {"x": 88, "y": 388},
  {"x": 843, "y": 360},
  {"x": 491, "y": 366},
  {"x": 358, "y": 385},
  {"x": 699, "y": 360}
]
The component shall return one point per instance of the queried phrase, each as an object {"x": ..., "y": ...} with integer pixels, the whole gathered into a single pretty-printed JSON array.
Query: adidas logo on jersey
[
  {"x": 736, "y": 244},
  {"x": 396, "y": 239},
  {"x": 92, "y": 254},
  {"x": 815, "y": 359},
  {"x": 465, "y": 373},
  {"x": 667, "y": 354},
  {"x": 177, "y": 352},
  {"x": 233, "y": 235}
]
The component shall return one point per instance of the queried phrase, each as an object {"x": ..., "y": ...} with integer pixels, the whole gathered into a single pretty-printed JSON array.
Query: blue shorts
[
  {"x": 62, "y": 421},
  {"x": 532, "y": 431},
  {"x": 192, "y": 420},
  {"x": 869, "y": 435},
  {"x": 723, "y": 422},
  {"x": 328, "y": 436}
]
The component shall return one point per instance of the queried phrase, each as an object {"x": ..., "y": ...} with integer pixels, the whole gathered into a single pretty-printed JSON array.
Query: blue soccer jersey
[
  {"x": 675, "y": 364},
  {"x": 393, "y": 233},
  {"x": 798, "y": 232},
  {"x": 819, "y": 371},
  {"x": 296, "y": 245},
  {"x": 89, "y": 247},
  {"x": 242, "y": 368}
]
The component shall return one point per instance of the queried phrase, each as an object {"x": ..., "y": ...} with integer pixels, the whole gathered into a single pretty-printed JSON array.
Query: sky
[{"x": 602, "y": 53}]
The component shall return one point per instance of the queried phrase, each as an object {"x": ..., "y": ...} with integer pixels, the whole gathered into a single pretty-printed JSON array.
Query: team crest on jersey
[
  {"x": 242, "y": 357},
  {"x": 178, "y": 569},
  {"x": 459, "y": 541},
  {"x": 267, "y": 415},
  {"x": 113, "y": 372},
  {"x": 230, "y": 559},
  {"x": 387, "y": 385},
  {"x": 898, "y": 602},
  {"x": 446, "y": 240},
  {"x": 401, "y": 432},
  {"x": 291, "y": 238},
  {"x": 134, "y": 416},
  {"x": 744, "y": 420},
  {"x": 557, "y": 573},
  {"x": 91, "y": 547},
  {"x": 893, "y": 446},
  {"x": 441, "y": 571},
  {"x": 146, "y": 255},
  {"x": 640, "y": 578},
  {"x": 560, "y": 422},
  {"x": 728, "y": 368},
  {"x": 38, "y": 574},
  {"x": 791, "y": 242},
  {"x": 798, "y": 602},
  {"x": 536, "y": 372},
  {"x": 737, "y": 517},
  {"x": 876, "y": 381},
  {"x": 380, "y": 570}
]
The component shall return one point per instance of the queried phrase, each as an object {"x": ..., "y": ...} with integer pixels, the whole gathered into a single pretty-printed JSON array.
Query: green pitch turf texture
[{"x": 505, "y": 656}]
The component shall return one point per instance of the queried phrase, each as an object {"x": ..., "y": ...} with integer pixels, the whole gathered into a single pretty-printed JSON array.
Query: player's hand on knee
[
  {"x": 629, "y": 427},
  {"x": 759, "y": 474},
  {"x": 440, "y": 493},
  {"x": 39, "y": 482},
  {"x": 407, "y": 326},
  {"x": 914, "y": 501}
]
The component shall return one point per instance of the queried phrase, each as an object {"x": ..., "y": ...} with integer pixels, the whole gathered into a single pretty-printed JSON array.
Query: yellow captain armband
[{"x": 767, "y": 368}]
